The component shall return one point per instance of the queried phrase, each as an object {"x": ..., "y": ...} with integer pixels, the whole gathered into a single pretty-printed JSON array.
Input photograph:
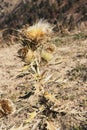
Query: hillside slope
[{"x": 65, "y": 12}]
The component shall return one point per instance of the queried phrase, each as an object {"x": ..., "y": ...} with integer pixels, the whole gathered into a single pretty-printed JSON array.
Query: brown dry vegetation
[
  {"x": 51, "y": 92},
  {"x": 55, "y": 100}
]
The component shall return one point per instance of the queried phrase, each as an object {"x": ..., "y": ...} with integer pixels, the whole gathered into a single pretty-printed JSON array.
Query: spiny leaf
[
  {"x": 32, "y": 115},
  {"x": 25, "y": 68},
  {"x": 47, "y": 78},
  {"x": 50, "y": 97},
  {"x": 41, "y": 108}
]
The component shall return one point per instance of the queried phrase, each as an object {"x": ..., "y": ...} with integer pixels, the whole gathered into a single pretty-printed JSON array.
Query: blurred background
[{"x": 63, "y": 13}]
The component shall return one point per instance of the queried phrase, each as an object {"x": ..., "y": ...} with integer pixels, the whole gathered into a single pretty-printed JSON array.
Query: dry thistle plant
[
  {"x": 34, "y": 37},
  {"x": 38, "y": 31},
  {"x": 6, "y": 107}
]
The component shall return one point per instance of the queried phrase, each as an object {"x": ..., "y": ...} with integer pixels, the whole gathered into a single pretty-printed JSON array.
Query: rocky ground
[{"x": 55, "y": 101}]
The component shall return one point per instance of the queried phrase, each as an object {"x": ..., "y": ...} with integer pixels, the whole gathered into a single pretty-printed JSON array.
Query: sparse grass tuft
[{"x": 80, "y": 36}]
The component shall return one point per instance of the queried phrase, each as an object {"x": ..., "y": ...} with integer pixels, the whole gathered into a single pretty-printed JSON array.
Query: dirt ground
[{"x": 63, "y": 104}]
